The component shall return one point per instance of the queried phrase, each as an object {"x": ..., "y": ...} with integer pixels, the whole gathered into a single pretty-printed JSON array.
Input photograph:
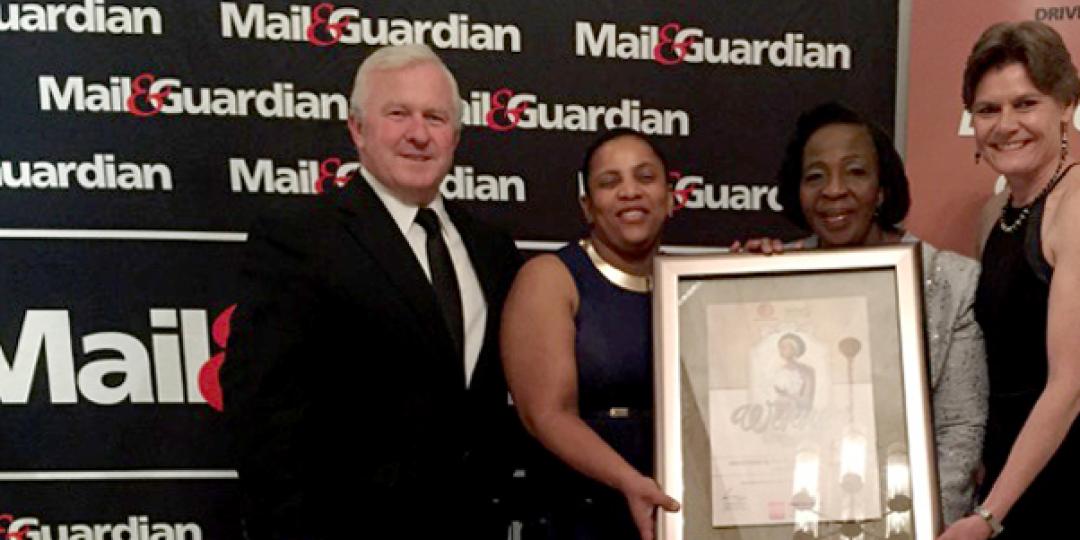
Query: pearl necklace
[{"x": 1010, "y": 227}]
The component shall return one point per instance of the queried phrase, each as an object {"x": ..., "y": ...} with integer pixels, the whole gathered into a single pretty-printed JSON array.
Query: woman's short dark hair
[
  {"x": 613, "y": 134},
  {"x": 891, "y": 176},
  {"x": 800, "y": 345},
  {"x": 1032, "y": 44}
]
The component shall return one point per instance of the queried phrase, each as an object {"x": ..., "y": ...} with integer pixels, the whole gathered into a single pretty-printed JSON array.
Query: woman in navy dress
[{"x": 577, "y": 349}]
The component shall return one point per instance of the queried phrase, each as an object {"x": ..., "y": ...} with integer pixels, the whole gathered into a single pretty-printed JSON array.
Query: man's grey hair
[{"x": 399, "y": 57}]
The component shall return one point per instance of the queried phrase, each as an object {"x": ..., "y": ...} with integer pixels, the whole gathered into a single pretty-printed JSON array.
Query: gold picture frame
[{"x": 791, "y": 396}]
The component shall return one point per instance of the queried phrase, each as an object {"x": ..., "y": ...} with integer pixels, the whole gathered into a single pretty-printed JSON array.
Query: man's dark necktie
[{"x": 444, "y": 280}]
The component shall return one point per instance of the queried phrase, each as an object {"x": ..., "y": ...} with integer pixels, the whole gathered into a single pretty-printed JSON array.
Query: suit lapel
[{"x": 368, "y": 221}]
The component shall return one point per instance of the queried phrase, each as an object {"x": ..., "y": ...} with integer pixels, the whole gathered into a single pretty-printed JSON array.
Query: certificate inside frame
[{"x": 791, "y": 396}]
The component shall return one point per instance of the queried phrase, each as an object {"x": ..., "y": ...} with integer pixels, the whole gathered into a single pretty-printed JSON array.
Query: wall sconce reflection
[
  {"x": 806, "y": 494},
  {"x": 854, "y": 451},
  {"x": 806, "y": 498},
  {"x": 898, "y": 493}
]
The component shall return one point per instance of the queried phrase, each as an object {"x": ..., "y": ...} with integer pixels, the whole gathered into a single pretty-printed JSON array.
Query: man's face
[{"x": 406, "y": 137}]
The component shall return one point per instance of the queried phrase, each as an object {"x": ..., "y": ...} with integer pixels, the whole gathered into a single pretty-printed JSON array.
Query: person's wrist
[
  {"x": 989, "y": 519},
  {"x": 625, "y": 482}
]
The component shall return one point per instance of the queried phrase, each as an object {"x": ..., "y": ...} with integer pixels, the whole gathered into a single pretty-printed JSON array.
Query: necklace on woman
[
  {"x": 1026, "y": 209},
  {"x": 619, "y": 278}
]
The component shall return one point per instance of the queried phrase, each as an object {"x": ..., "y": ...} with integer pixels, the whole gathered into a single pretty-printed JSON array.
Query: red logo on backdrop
[
  {"x": 328, "y": 175},
  {"x": 682, "y": 196},
  {"x": 501, "y": 117},
  {"x": 209, "y": 381},
  {"x": 320, "y": 19},
  {"x": 5, "y": 521},
  {"x": 667, "y": 42},
  {"x": 141, "y": 96}
]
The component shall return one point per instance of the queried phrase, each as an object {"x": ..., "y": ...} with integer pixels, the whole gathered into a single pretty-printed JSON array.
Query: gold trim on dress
[{"x": 619, "y": 278}]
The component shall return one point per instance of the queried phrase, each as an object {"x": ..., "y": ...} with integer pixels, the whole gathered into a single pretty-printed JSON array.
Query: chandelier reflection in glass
[{"x": 810, "y": 524}]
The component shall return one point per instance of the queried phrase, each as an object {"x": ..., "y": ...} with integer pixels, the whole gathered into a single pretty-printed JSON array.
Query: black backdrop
[{"x": 120, "y": 232}]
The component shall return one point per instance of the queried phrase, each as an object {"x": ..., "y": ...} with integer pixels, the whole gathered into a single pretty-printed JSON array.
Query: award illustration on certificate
[{"x": 791, "y": 413}]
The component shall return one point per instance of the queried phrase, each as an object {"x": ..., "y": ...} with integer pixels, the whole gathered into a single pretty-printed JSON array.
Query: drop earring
[{"x": 1064, "y": 142}]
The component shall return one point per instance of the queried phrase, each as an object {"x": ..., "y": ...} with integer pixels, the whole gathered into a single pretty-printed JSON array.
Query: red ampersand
[
  {"x": 320, "y": 18},
  {"x": 209, "y": 380},
  {"x": 512, "y": 115},
  {"x": 328, "y": 175},
  {"x": 140, "y": 86},
  {"x": 682, "y": 196},
  {"x": 5, "y": 521},
  {"x": 667, "y": 37}
]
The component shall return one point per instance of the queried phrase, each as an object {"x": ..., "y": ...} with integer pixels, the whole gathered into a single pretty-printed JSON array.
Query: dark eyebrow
[{"x": 602, "y": 172}]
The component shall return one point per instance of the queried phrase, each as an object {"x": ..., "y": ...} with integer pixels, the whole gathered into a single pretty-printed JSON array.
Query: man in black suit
[{"x": 363, "y": 383}]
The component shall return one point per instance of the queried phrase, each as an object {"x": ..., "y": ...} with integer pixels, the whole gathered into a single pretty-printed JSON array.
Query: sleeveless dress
[
  {"x": 613, "y": 346},
  {"x": 1011, "y": 307}
]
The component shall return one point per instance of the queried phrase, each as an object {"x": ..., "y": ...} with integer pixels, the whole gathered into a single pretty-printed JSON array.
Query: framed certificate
[{"x": 791, "y": 396}]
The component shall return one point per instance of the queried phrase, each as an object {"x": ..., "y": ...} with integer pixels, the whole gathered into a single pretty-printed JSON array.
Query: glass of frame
[{"x": 791, "y": 396}]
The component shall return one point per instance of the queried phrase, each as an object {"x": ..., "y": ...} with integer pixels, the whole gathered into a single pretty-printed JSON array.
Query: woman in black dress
[{"x": 1021, "y": 88}]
